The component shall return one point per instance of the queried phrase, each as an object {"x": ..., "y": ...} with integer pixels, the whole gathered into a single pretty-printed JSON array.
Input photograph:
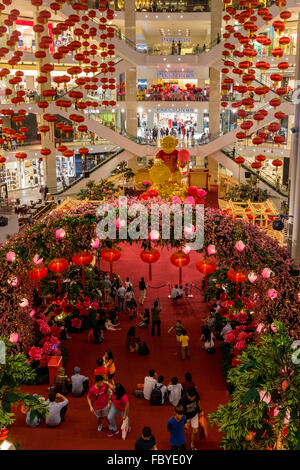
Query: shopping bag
[
  {"x": 124, "y": 428},
  {"x": 203, "y": 426}
]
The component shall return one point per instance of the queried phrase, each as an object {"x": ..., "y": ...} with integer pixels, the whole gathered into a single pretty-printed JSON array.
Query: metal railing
[
  {"x": 109, "y": 156},
  {"x": 261, "y": 174}
]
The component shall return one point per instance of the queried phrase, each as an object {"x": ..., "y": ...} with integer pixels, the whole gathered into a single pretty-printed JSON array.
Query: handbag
[{"x": 125, "y": 428}]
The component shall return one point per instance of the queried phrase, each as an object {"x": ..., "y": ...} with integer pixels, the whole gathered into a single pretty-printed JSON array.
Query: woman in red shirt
[{"x": 120, "y": 405}]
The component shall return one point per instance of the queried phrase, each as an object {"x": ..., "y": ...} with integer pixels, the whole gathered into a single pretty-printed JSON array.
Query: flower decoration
[
  {"x": 60, "y": 233},
  {"x": 76, "y": 323},
  {"x": 266, "y": 273},
  {"x": 35, "y": 353},
  {"x": 252, "y": 277},
  {"x": 14, "y": 338},
  {"x": 240, "y": 246},
  {"x": 146, "y": 183},
  {"x": 14, "y": 281},
  {"x": 24, "y": 303},
  {"x": 11, "y": 256},
  {"x": 201, "y": 193},
  {"x": 95, "y": 243},
  {"x": 176, "y": 200},
  {"x": 189, "y": 200},
  {"x": 37, "y": 260},
  {"x": 3, "y": 434},
  {"x": 211, "y": 250},
  {"x": 272, "y": 293}
]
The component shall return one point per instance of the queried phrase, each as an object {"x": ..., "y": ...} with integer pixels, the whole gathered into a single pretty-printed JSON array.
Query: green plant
[
  {"x": 264, "y": 409},
  {"x": 15, "y": 372}
]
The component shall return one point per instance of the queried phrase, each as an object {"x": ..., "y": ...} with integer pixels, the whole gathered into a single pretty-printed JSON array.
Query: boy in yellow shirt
[{"x": 184, "y": 343}]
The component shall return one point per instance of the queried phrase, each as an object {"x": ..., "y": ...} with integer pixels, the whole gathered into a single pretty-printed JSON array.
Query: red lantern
[
  {"x": 58, "y": 265},
  {"x": 37, "y": 274},
  {"x": 110, "y": 255},
  {"x": 150, "y": 256},
  {"x": 206, "y": 267},
  {"x": 180, "y": 259},
  {"x": 239, "y": 161},
  {"x": 277, "y": 163},
  {"x": 237, "y": 277},
  {"x": 82, "y": 259}
]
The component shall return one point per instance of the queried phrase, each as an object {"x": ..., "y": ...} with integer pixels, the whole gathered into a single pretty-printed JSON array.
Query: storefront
[{"x": 22, "y": 174}]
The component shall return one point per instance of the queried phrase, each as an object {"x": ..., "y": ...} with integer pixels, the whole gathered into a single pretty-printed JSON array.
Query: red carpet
[{"x": 79, "y": 431}]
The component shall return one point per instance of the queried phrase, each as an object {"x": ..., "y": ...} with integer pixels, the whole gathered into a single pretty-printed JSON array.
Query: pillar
[
  {"x": 214, "y": 75},
  {"x": 294, "y": 196},
  {"x": 200, "y": 117},
  {"x": 130, "y": 75},
  {"x": 48, "y": 139}
]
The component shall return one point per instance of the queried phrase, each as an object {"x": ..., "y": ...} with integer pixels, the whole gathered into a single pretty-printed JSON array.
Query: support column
[
  {"x": 214, "y": 75},
  {"x": 294, "y": 196},
  {"x": 47, "y": 139},
  {"x": 130, "y": 75}
]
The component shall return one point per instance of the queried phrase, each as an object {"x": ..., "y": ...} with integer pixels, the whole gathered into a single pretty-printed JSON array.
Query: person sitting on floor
[
  {"x": 109, "y": 326},
  {"x": 146, "y": 319},
  {"x": 149, "y": 382},
  {"x": 80, "y": 383},
  {"x": 57, "y": 410},
  {"x": 61, "y": 382},
  {"x": 132, "y": 342},
  {"x": 175, "y": 294}
]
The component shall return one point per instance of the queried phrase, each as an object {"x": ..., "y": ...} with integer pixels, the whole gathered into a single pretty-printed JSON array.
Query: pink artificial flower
[
  {"x": 10, "y": 256},
  {"x": 298, "y": 296},
  {"x": 201, "y": 193},
  {"x": 266, "y": 273},
  {"x": 273, "y": 328},
  {"x": 60, "y": 233},
  {"x": 252, "y": 277},
  {"x": 272, "y": 293},
  {"x": 211, "y": 250},
  {"x": 186, "y": 249},
  {"x": 35, "y": 353},
  {"x": 54, "y": 340},
  {"x": 95, "y": 305},
  {"x": 32, "y": 313},
  {"x": 240, "y": 246},
  {"x": 176, "y": 200},
  {"x": 24, "y": 303},
  {"x": 95, "y": 243},
  {"x": 147, "y": 183},
  {"x": 276, "y": 412},
  {"x": 287, "y": 417},
  {"x": 47, "y": 346},
  {"x": 265, "y": 396},
  {"x": 154, "y": 235},
  {"x": 37, "y": 260},
  {"x": 120, "y": 223},
  {"x": 14, "y": 281},
  {"x": 14, "y": 338},
  {"x": 76, "y": 323},
  {"x": 92, "y": 192},
  {"x": 189, "y": 229},
  {"x": 189, "y": 200},
  {"x": 260, "y": 327}
]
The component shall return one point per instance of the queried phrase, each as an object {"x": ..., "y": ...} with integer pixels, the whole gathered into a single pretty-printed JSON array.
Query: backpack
[
  {"x": 156, "y": 396},
  {"x": 143, "y": 349}
]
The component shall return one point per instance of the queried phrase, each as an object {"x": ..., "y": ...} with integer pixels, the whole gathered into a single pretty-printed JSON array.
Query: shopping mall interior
[{"x": 109, "y": 111}]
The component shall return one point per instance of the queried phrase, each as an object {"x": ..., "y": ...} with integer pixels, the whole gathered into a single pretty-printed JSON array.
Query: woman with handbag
[{"x": 208, "y": 340}]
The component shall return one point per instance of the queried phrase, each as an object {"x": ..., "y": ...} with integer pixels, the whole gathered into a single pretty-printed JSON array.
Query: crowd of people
[
  {"x": 106, "y": 397},
  {"x": 167, "y": 92}
]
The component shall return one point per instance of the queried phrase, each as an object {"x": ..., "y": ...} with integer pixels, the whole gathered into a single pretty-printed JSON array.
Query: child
[
  {"x": 186, "y": 290},
  {"x": 184, "y": 342},
  {"x": 176, "y": 428}
]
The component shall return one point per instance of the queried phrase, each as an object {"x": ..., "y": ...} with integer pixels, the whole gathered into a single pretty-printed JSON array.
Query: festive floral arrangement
[
  {"x": 97, "y": 191},
  {"x": 247, "y": 191}
]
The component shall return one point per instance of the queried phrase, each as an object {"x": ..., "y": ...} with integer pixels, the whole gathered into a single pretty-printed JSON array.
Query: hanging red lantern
[
  {"x": 277, "y": 164},
  {"x": 82, "y": 259},
  {"x": 110, "y": 255},
  {"x": 239, "y": 161},
  {"x": 256, "y": 165},
  {"x": 237, "y": 277},
  {"x": 150, "y": 256},
  {"x": 37, "y": 274},
  {"x": 260, "y": 158},
  {"x": 206, "y": 266},
  {"x": 57, "y": 266},
  {"x": 180, "y": 259}
]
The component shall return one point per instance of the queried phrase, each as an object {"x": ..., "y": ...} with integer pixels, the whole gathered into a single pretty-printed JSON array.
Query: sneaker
[
  {"x": 113, "y": 433},
  {"x": 100, "y": 427}
]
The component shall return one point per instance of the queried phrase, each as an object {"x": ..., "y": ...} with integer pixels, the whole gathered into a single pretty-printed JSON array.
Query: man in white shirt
[{"x": 149, "y": 383}]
